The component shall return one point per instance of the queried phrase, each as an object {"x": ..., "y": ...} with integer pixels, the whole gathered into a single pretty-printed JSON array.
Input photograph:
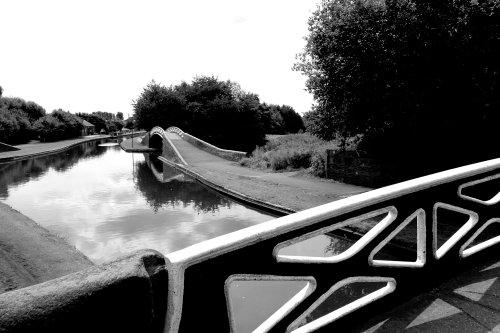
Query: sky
[{"x": 85, "y": 56}]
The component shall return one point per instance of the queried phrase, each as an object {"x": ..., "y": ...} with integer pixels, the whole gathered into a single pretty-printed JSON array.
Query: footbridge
[{"x": 450, "y": 284}]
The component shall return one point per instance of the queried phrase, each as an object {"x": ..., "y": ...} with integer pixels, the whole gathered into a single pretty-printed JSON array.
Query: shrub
[
  {"x": 318, "y": 165},
  {"x": 14, "y": 126},
  {"x": 289, "y": 152},
  {"x": 58, "y": 125}
]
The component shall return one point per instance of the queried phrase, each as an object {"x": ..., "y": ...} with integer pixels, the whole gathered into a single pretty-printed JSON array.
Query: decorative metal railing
[
  {"x": 233, "y": 155},
  {"x": 158, "y": 130},
  {"x": 177, "y": 130},
  {"x": 444, "y": 219}
]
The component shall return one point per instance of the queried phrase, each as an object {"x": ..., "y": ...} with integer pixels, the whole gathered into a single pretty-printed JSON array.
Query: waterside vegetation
[
  {"x": 292, "y": 152},
  {"x": 419, "y": 81},
  {"x": 22, "y": 121}
]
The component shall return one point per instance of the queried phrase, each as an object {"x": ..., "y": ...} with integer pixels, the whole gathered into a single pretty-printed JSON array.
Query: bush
[
  {"x": 58, "y": 125},
  {"x": 318, "y": 165},
  {"x": 14, "y": 126},
  {"x": 291, "y": 152}
]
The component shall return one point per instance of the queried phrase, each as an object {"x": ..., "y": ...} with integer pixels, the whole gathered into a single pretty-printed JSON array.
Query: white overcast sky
[{"x": 85, "y": 56}]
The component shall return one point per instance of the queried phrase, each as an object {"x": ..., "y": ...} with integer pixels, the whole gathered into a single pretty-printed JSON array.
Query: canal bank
[
  {"x": 30, "y": 150},
  {"x": 29, "y": 253}
]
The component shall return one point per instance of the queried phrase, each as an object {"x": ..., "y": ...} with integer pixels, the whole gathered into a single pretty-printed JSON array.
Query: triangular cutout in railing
[
  {"x": 257, "y": 302},
  {"x": 486, "y": 236},
  {"x": 303, "y": 249},
  {"x": 485, "y": 191},
  {"x": 343, "y": 298},
  {"x": 419, "y": 235},
  {"x": 451, "y": 229}
]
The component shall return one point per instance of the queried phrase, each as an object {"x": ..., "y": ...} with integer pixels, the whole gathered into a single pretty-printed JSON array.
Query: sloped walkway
[{"x": 288, "y": 189}]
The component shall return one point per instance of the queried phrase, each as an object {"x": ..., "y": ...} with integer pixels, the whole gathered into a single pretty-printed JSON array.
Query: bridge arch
[{"x": 156, "y": 137}]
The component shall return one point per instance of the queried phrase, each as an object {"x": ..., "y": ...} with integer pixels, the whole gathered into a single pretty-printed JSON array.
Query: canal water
[{"x": 108, "y": 203}]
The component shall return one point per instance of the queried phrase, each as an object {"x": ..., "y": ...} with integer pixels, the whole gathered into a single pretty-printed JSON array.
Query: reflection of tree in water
[
  {"x": 176, "y": 192},
  {"x": 16, "y": 173},
  {"x": 337, "y": 245}
]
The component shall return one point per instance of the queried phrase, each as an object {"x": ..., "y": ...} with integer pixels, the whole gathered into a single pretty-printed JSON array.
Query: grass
[{"x": 291, "y": 152}]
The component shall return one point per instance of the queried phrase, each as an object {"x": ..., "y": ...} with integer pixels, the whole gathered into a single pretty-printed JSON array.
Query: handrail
[
  {"x": 204, "y": 271},
  {"x": 233, "y": 155}
]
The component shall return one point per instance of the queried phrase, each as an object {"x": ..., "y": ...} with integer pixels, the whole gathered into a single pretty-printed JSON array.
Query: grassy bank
[{"x": 291, "y": 152}]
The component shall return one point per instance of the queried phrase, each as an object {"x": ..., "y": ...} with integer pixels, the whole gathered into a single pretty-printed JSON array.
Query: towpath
[
  {"x": 292, "y": 190},
  {"x": 42, "y": 148}
]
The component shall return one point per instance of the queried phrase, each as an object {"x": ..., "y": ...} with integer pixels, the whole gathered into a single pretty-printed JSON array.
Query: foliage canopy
[
  {"x": 219, "y": 112},
  {"x": 410, "y": 76}
]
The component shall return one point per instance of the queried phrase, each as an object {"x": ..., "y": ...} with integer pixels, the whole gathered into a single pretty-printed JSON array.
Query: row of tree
[
  {"x": 21, "y": 121},
  {"x": 412, "y": 78},
  {"x": 219, "y": 112}
]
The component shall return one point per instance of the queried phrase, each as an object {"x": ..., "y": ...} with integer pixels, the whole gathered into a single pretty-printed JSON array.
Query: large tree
[
  {"x": 411, "y": 76},
  {"x": 216, "y": 111}
]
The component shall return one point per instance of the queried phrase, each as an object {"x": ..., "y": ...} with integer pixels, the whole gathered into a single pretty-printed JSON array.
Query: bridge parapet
[
  {"x": 444, "y": 219},
  {"x": 232, "y": 155},
  {"x": 174, "y": 129}
]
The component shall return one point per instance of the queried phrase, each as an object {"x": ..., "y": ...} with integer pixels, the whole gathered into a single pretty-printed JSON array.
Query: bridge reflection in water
[{"x": 163, "y": 173}]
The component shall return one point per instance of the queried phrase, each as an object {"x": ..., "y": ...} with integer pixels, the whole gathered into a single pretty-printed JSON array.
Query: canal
[{"x": 108, "y": 203}]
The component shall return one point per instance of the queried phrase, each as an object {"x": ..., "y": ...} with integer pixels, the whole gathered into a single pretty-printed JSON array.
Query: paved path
[
  {"x": 468, "y": 303},
  {"x": 288, "y": 189},
  {"x": 40, "y": 148}
]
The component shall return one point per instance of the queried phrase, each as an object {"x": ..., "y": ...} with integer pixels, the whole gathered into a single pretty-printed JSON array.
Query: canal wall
[{"x": 126, "y": 295}]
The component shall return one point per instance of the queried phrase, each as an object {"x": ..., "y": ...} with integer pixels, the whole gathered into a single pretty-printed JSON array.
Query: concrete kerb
[
  {"x": 126, "y": 295},
  {"x": 276, "y": 209}
]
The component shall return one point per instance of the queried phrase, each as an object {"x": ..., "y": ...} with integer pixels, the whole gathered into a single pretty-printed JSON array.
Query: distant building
[{"x": 88, "y": 128}]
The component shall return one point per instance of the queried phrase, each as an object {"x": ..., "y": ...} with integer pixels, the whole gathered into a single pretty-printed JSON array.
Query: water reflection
[
  {"x": 107, "y": 202},
  {"x": 170, "y": 187},
  {"x": 16, "y": 173}
]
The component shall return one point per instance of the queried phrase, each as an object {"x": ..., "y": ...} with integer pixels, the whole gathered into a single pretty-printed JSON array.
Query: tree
[
  {"x": 158, "y": 106},
  {"x": 410, "y": 76},
  {"x": 119, "y": 115},
  {"x": 16, "y": 119},
  {"x": 95, "y": 119},
  {"x": 219, "y": 112},
  {"x": 129, "y": 123},
  {"x": 58, "y": 125}
]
